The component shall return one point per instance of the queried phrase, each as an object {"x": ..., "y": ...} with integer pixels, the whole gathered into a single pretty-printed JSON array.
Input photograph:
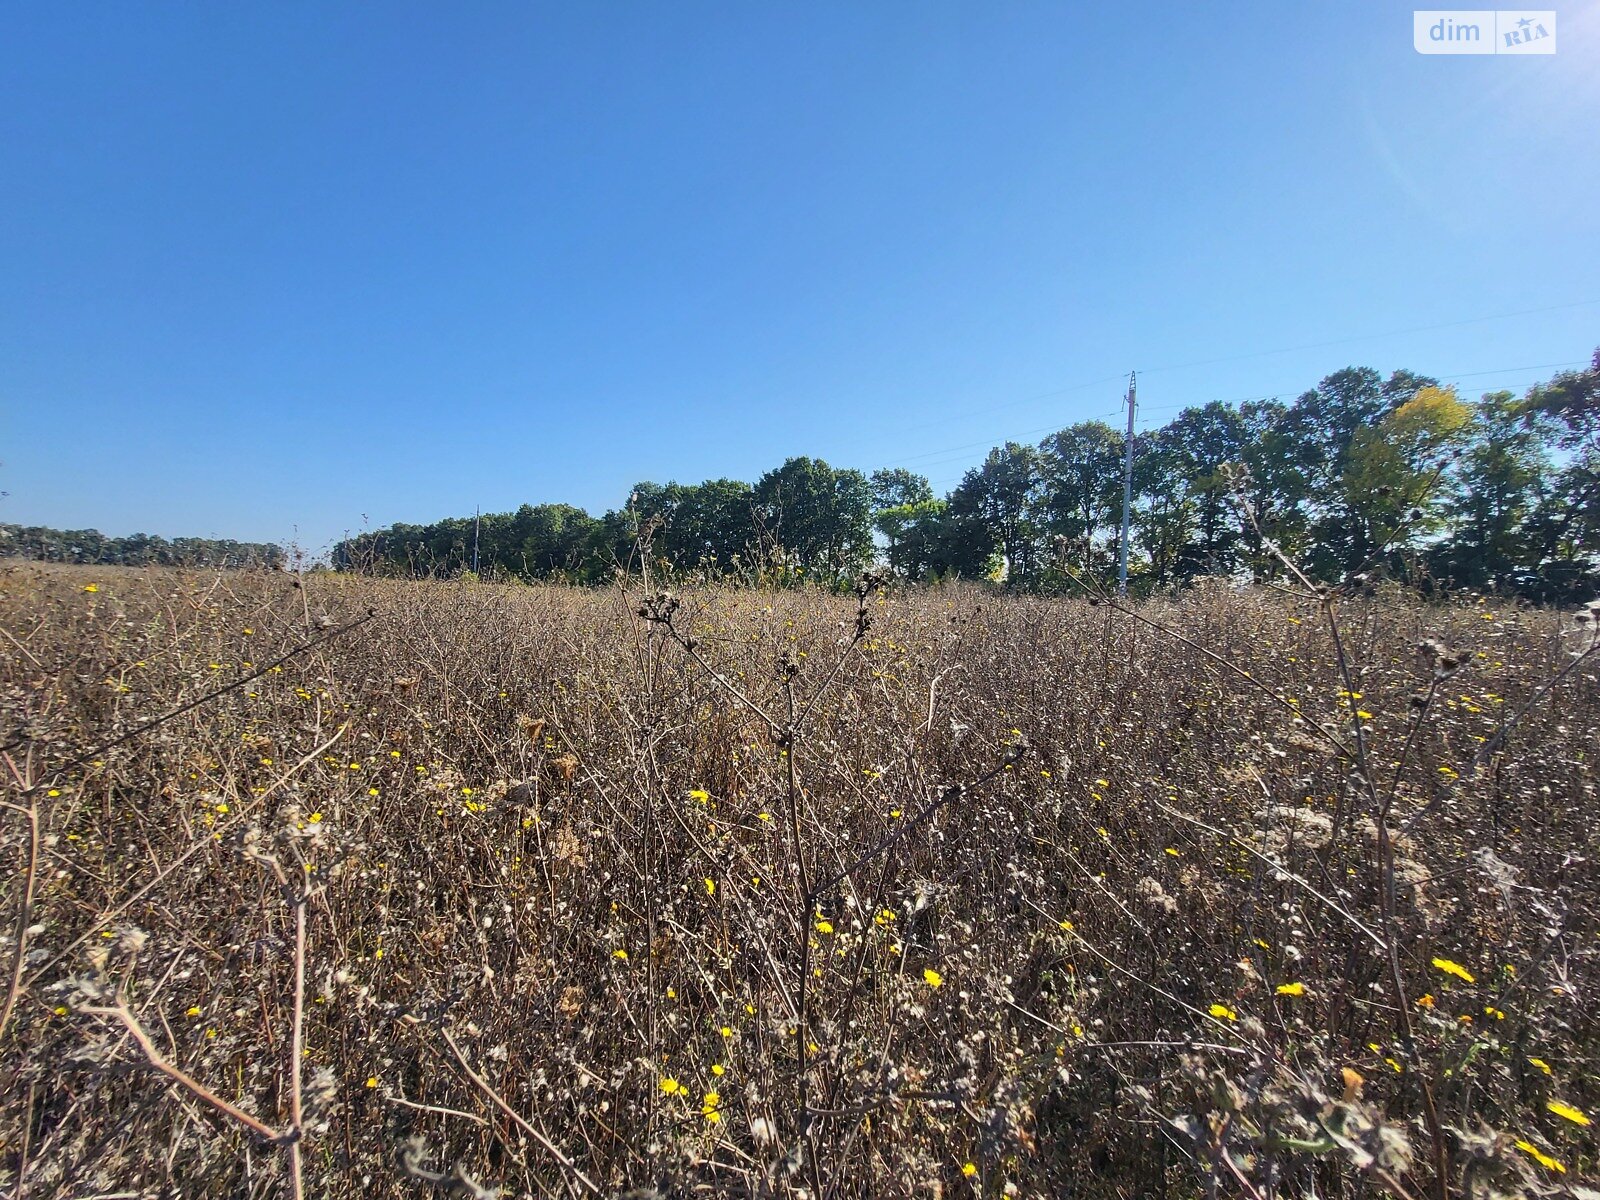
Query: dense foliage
[
  {"x": 136, "y": 550},
  {"x": 593, "y": 892},
  {"x": 1360, "y": 471}
]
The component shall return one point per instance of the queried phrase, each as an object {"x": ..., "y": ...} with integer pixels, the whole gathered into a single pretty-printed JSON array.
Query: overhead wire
[
  {"x": 1270, "y": 394},
  {"x": 955, "y": 453},
  {"x": 1372, "y": 337},
  {"x": 987, "y": 408}
]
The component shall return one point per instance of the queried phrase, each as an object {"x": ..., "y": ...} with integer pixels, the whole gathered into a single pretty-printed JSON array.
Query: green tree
[
  {"x": 1275, "y": 483},
  {"x": 1495, "y": 489},
  {"x": 893, "y": 487},
  {"x": 966, "y": 543},
  {"x": 1565, "y": 525},
  {"x": 1323, "y": 423},
  {"x": 901, "y": 501},
  {"x": 919, "y": 537},
  {"x": 135, "y": 550},
  {"x": 554, "y": 540},
  {"x": 1005, "y": 494},
  {"x": 820, "y": 516},
  {"x": 1203, "y": 443},
  {"x": 714, "y": 523},
  {"x": 1391, "y": 488},
  {"x": 1080, "y": 499},
  {"x": 1163, "y": 521}
]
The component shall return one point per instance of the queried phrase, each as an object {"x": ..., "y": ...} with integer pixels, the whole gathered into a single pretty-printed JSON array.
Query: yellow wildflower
[
  {"x": 1223, "y": 1013},
  {"x": 931, "y": 977},
  {"x": 1453, "y": 968},
  {"x": 1565, "y": 1111},
  {"x": 1540, "y": 1157}
]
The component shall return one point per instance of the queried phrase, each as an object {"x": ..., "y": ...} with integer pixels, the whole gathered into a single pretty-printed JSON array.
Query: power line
[
  {"x": 1105, "y": 381},
  {"x": 1372, "y": 337},
  {"x": 955, "y": 453},
  {"x": 949, "y": 453},
  {"x": 1341, "y": 341},
  {"x": 1441, "y": 378}
]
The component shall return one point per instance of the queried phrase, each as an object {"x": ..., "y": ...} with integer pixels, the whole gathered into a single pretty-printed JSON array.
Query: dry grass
[{"x": 544, "y": 867}]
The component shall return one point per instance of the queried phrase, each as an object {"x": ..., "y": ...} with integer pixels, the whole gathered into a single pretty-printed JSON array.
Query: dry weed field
[{"x": 458, "y": 888}]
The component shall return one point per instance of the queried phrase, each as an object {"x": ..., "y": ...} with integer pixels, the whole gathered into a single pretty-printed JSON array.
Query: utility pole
[
  {"x": 1127, "y": 487},
  {"x": 476, "y": 516}
]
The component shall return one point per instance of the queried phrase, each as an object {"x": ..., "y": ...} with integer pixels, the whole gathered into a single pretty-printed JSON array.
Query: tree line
[
  {"x": 1359, "y": 472},
  {"x": 137, "y": 550}
]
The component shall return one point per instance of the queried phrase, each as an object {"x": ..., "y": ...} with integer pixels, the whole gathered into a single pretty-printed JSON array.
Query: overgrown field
[{"x": 918, "y": 893}]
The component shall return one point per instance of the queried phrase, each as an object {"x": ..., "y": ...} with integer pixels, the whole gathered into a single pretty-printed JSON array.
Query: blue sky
[{"x": 269, "y": 271}]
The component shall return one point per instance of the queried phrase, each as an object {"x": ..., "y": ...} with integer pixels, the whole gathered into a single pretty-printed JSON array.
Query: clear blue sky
[{"x": 266, "y": 269}]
